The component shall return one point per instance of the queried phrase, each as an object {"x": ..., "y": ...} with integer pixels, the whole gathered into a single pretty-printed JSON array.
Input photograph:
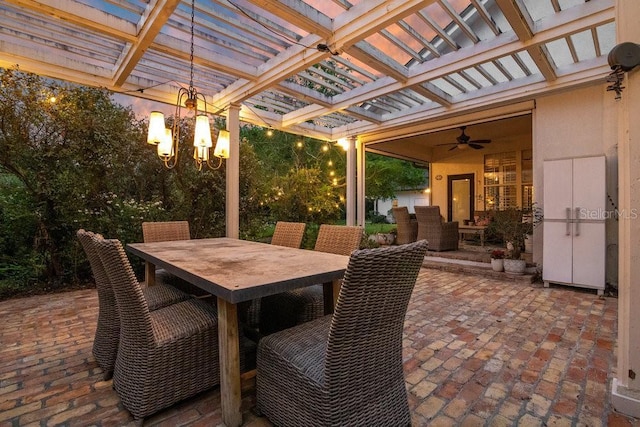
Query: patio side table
[{"x": 472, "y": 229}]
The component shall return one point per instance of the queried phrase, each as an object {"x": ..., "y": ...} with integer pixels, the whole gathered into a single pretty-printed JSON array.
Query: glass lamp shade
[
  {"x": 202, "y": 136},
  {"x": 156, "y": 128},
  {"x": 165, "y": 147},
  {"x": 222, "y": 145}
]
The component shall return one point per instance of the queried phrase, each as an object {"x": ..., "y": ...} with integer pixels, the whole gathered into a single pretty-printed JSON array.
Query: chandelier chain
[{"x": 193, "y": 9}]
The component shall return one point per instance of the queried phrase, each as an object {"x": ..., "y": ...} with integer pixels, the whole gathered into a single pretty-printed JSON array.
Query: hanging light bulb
[{"x": 344, "y": 143}]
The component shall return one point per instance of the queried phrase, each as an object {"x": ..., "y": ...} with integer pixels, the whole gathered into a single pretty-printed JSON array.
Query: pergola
[
  {"x": 372, "y": 71},
  {"x": 328, "y": 69},
  {"x": 376, "y": 72}
]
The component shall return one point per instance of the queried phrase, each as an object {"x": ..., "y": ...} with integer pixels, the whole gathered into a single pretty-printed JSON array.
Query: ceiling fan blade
[
  {"x": 480, "y": 141},
  {"x": 447, "y": 143},
  {"x": 476, "y": 146},
  {"x": 453, "y": 148}
]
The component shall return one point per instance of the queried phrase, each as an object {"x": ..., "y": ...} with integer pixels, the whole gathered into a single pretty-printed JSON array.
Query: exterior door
[{"x": 461, "y": 192}]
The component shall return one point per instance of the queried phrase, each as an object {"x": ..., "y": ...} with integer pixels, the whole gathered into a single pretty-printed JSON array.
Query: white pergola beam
[
  {"x": 82, "y": 16},
  {"x": 298, "y": 13},
  {"x": 153, "y": 19}
]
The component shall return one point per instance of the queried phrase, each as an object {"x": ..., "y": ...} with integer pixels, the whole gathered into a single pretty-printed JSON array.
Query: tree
[
  {"x": 386, "y": 176},
  {"x": 67, "y": 146},
  {"x": 72, "y": 158}
]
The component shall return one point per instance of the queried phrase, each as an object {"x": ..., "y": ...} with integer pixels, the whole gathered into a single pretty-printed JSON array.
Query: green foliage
[
  {"x": 70, "y": 158},
  {"x": 81, "y": 162},
  {"x": 303, "y": 195},
  {"x": 509, "y": 225},
  {"x": 65, "y": 146},
  {"x": 385, "y": 176}
]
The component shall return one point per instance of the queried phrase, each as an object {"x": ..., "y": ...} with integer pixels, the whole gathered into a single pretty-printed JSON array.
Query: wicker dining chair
[
  {"x": 165, "y": 355},
  {"x": 107, "y": 336},
  {"x": 289, "y": 234},
  {"x": 291, "y": 308},
  {"x": 442, "y": 236},
  {"x": 165, "y": 231},
  {"x": 406, "y": 227},
  {"x": 345, "y": 369}
]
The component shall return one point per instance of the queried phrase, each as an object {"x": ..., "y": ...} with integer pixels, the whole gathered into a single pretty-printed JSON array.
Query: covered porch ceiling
[
  {"x": 424, "y": 148},
  {"x": 328, "y": 69}
]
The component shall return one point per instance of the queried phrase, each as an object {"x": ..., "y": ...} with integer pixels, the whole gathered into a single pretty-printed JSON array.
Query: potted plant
[
  {"x": 383, "y": 239},
  {"x": 532, "y": 217},
  {"x": 509, "y": 225},
  {"x": 497, "y": 260}
]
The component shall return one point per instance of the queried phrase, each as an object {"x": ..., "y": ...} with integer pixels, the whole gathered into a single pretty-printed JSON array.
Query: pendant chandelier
[{"x": 168, "y": 139}]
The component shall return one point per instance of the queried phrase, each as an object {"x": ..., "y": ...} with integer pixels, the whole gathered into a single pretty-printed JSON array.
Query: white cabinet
[{"x": 574, "y": 206}]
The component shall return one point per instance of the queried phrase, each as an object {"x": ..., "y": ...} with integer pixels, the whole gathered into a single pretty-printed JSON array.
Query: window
[
  {"x": 500, "y": 181},
  {"x": 527, "y": 179},
  {"x": 508, "y": 180}
]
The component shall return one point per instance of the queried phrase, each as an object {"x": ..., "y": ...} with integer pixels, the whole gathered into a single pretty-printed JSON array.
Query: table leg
[
  {"x": 331, "y": 291},
  {"x": 149, "y": 273},
  {"x": 230, "y": 395}
]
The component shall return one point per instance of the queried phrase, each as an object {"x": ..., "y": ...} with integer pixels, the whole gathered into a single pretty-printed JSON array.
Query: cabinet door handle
[
  {"x": 577, "y": 221},
  {"x": 568, "y": 221}
]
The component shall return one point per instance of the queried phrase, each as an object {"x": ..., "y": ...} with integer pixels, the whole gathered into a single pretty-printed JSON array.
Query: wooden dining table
[{"x": 236, "y": 271}]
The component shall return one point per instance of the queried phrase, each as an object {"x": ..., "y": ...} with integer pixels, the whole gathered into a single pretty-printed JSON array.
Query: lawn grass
[{"x": 369, "y": 228}]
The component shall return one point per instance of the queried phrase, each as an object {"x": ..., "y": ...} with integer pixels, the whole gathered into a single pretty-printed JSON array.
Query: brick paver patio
[{"x": 477, "y": 352}]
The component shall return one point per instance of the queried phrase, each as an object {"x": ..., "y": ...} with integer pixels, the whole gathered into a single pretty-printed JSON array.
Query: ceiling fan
[{"x": 464, "y": 141}]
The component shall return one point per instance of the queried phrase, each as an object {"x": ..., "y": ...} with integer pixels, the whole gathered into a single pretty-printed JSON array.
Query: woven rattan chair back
[
  {"x": 440, "y": 235},
  {"x": 165, "y": 355},
  {"x": 135, "y": 321},
  {"x": 406, "y": 227},
  {"x": 105, "y": 343},
  {"x": 289, "y": 234},
  {"x": 338, "y": 239},
  {"x": 429, "y": 216},
  {"x": 165, "y": 231},
  {"x": 364, "y": 348}
]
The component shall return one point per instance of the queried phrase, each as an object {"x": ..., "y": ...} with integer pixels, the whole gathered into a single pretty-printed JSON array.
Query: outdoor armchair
[
  {"x": 345, "y": 369},
  {"x": 291, "y": 308},
  {"x": 407, "y": 227},
  {"x": 107, "y": 336},
  {"x": 165, "y": 355},
  {"x": 442, "y": 236}
]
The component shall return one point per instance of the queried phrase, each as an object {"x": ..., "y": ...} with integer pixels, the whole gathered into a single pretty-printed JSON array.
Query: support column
[
  {"x": 625, "y": 393},
  {"x": 361, "y": 176},
  {"x": 351, "y": 181},
  {"x": 232, "y": 205}
]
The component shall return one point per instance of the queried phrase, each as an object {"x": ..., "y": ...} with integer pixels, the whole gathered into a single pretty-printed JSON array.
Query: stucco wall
[
  {"x": 579, "y": 123},
  {"x": 457, "y": 162},
  {"x": 576, "y": 123}
]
